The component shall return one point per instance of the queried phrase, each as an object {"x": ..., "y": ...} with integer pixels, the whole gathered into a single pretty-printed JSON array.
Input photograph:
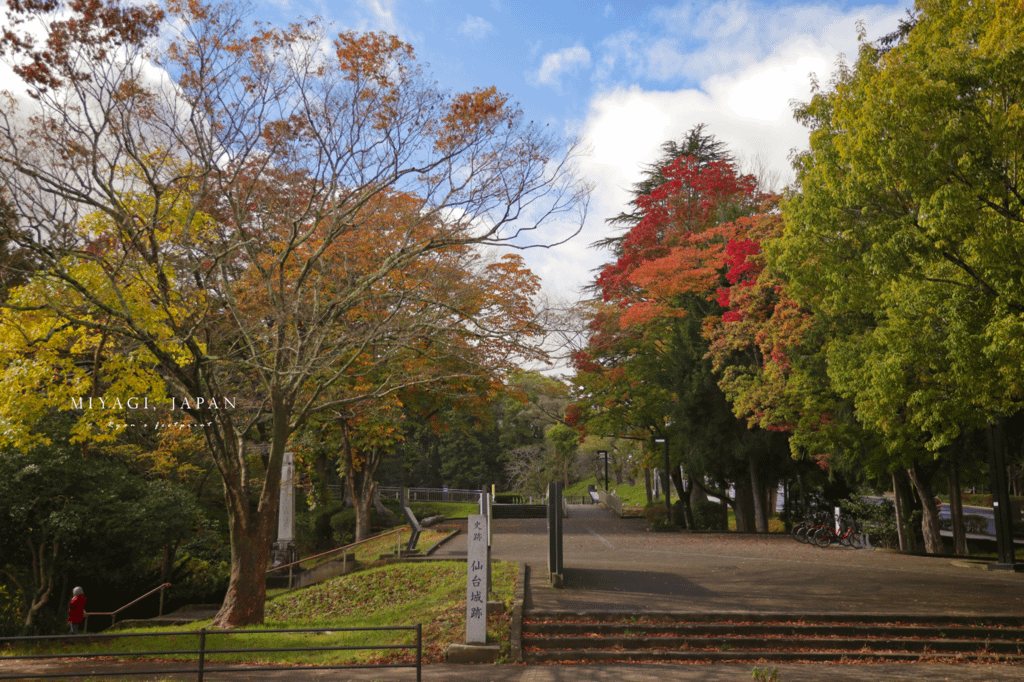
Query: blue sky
[{"x": 624, "y": 77}]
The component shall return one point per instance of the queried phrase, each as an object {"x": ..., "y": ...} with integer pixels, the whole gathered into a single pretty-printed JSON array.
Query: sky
[{"x": 623, "y": 77}]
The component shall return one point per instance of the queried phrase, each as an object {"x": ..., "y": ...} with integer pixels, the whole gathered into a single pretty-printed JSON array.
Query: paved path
[
  {"x": 619, "y": 672},
  {"x": 613, "y": 564}
]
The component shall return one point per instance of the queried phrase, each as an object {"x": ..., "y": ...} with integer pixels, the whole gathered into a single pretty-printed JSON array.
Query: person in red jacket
[{"x": 76, "y": 614}]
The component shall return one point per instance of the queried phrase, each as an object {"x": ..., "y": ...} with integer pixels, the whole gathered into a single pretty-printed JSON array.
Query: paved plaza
[{"x": 614, "y": 564}]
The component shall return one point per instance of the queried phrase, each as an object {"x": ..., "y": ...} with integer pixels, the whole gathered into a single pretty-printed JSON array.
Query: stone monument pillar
[{"x": 285, "y": 551}]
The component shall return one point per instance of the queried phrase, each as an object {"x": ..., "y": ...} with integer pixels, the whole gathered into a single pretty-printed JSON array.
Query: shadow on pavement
[{"x": 636, "y": 582}]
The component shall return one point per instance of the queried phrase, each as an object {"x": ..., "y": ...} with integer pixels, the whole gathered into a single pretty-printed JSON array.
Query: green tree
[
  {"x": 906, "y": 223},
  {"x": 89, "y": 518}
]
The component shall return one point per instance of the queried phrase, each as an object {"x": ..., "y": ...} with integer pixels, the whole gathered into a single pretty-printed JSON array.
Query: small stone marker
[{"x": 476, "y": 580}]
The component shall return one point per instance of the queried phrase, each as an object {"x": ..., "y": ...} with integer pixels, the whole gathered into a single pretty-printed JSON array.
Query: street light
[
  {"x": 604, "y": 453},
  {"x": 668, "y": 503}
]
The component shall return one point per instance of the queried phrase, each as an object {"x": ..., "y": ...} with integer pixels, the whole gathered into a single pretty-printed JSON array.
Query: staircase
[
  {"x": 555, "y": 636},
  {"x": 519, "y": 511}
]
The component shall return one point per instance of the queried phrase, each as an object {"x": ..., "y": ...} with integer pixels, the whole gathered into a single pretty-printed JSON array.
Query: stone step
[
  {"x": 604, "y": 655},
  {"x": 589, "y": 629},
  {"x": 519, "y": 511},
  {"x": 607, "y": 637},
  {"x": 779, "y": 644}
]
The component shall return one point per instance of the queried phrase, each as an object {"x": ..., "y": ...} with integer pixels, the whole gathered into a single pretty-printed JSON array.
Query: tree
[
  {"x": 65, "y": 516},
  {"x": 908, "y": 217},
  {"x": 645, "y": 370},
  {"x": 192, "y": 216}
]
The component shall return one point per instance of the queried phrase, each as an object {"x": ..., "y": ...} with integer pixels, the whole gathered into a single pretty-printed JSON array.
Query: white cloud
[
  {"x": 745, "y": 73},
  {"x": 383, "y": 12},
  {"x": 695, "y": 44},
  {"x": 475, "y": 28},
  {"x": 556, "y": 63}
]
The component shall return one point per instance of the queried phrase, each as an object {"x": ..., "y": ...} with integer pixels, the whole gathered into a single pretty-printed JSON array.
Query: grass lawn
[
  {"x": 631, "y": 495},
  {"x": 451, "y": 510},
  {"x": 775, "y": 524},
  {"x": 431, "y": 593}
]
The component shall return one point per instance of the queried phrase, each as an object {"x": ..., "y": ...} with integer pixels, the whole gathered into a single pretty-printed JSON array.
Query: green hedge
[{"x": 708, "y": 515}]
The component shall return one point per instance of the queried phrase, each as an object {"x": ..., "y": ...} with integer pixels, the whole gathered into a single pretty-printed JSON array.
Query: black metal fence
[{"x": 202, "y": 666}]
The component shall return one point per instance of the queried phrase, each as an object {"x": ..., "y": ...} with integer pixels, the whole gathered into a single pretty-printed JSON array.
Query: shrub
[
  {"x": 876, "y": 518},
  {"x": 509, "y": 498},
  {"x": 10, "y": 611},
  {"x": 679, "y": 514},
  {"x": 708, "y": 515},
  {"x": 655, "y": 514},
  {"x": 343, "y": 523}
]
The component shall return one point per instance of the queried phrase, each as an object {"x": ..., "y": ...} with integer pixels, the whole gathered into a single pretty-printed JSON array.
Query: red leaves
[{"x": 676, "y": 247}]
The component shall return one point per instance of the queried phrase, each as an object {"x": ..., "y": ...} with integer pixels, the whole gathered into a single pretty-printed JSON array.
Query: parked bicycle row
[{"x": 824, "y": 533}]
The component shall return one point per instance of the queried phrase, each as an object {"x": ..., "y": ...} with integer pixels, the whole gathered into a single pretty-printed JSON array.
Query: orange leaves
[
  {"x": 473, "y": 115},
  {"x": 370, "y": 55}
]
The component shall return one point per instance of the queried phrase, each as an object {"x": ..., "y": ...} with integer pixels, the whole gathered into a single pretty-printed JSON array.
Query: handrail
[
  {"x": 113, "y": 614},
  {"x": 338, "y": 549},
  {"x": 610, "y": 500}
]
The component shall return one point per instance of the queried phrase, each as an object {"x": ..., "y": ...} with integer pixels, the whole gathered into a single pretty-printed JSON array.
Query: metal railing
[
  {"x": 578, "y": 499},
  {"x": 432, "y": 494},
  {"x": 113, "y": 614},
  {"x": 344, "y": 556},
  {"x": 611, "y": 500},
  {"x": 202, "y": 665}
]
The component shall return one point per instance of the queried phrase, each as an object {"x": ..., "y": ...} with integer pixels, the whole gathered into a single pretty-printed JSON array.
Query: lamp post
[
  {"x": 668, "y": 503},
  {"x": 604, "y": 453}
]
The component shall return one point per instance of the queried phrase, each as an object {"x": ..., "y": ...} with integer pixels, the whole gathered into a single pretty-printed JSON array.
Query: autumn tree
[
  {"x": 645, "y": 368},
  {"x": 188, "y": 200}
]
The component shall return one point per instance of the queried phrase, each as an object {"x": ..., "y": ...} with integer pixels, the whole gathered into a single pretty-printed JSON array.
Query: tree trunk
[
  {"x": 697, "y": 493},
  {"x": 930, "y": 515},
  {"x": 757, "y": 496},
  {"x": 42, "y": 574},
  {"x": 687, "y": 509},
  {"x": 677, "y": 481},
  {"x": 648, "y": 485},
  {"x": 744, "y": 507},
  {"x": 362, "y": 487},
  {"x": 956, "y": 507},
  {"x": 361, "y": 483},
  {"x": 250, "y": 556},
  {"x": 901, "y": 527},
  {"x": 252, "y": 530},
  {"x": 170, "y": 552}
]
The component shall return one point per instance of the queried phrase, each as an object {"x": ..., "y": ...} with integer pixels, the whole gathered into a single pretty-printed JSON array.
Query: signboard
[{"x": 476, "y": 580}]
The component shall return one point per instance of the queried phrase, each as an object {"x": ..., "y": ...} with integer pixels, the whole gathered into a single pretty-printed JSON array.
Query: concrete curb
[
  {"x": 516, "y": 654},
  {"x": 437, "y": 545}
]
